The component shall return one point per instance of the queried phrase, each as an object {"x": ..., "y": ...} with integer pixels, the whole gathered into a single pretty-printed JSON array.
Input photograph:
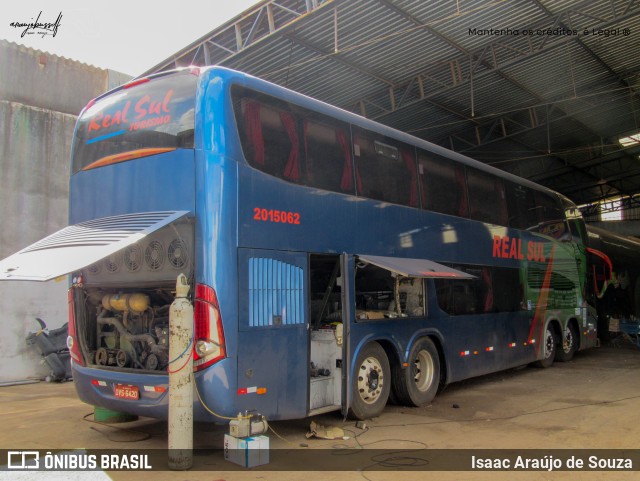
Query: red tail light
[
  {"x": 208, "y": 333},
  {"x": 72, "y": 340}
]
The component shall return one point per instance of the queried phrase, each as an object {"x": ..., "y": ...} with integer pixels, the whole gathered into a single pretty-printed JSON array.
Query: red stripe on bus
[{"x": 541, "y": 309}]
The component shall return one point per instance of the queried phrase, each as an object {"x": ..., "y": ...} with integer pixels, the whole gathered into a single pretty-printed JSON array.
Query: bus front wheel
[
  {"x": 371, "y": 382},
  {"x": 417, "y": 384}
]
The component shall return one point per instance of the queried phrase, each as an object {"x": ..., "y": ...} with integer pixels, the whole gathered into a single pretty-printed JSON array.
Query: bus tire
[
  {"x": 417, "y": 384},
  {"x": 371, "y": 382},
  {"x": 569, "y": 345},
  {"x": 549, "y": 346}
]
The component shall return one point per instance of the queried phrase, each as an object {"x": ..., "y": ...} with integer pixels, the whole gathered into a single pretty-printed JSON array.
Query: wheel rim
[
  {"x": 370, "y": 380},
  {"x": 424, "y": 370},
  {"x": 567, "y": 345},
  {"x": 548, "y": 344}
]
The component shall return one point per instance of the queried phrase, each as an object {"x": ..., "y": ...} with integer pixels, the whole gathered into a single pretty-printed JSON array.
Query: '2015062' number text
[{"x": 274, "y": 215}]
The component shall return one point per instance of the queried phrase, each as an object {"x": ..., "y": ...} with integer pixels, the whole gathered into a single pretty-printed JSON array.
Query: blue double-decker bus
[{"x": 335, "y": 263}]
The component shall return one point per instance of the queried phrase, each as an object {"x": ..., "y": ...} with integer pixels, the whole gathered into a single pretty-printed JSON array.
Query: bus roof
[
  {"x": 302, "y": 100},
  {"x": 264, "y": 86}
]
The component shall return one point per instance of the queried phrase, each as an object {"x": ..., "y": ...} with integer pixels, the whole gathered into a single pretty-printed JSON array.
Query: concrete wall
[
  {"x": 40, "y": 96},
  {"x": 39, "y": 79},
  {"x": 35, "y": 147}
]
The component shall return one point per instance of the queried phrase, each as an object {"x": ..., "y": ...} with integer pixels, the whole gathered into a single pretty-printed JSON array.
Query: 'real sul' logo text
[
  {"x": 145, "y": 113},
  {"x": 75, "y": 461},
  {"x": 513, "y": 248}
]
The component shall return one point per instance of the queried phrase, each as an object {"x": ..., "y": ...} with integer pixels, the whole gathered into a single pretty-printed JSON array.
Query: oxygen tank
[{"x": 180, "y": 378}]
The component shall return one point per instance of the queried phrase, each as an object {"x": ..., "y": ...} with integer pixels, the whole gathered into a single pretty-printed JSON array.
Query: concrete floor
[{"x": 592, "y": 402}]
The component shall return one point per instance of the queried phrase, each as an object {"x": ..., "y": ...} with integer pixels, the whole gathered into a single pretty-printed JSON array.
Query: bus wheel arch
[
  {"x": 418, "y": 383},
  {"x": 569, "y": 342},
  {"x": 371, "y": 382}
]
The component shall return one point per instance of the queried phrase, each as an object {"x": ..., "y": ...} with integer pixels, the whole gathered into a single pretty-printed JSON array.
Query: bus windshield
[{"x": 150, "y": 116}]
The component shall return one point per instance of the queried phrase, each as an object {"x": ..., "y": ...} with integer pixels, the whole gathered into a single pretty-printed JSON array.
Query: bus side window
[
  {"x": 457, "y": 297},
  {"x": 508, "y": 290},
  {"x": 280, "y": 155},
  {"x": 385, "y": 168},
  {"x": 270, "y": 134},
  {"x": 521, "y": 206},
  {"x": 535, "y": 211},
  {"x": 494, "y": 289},
  {"x": 551, "y": 219},
  {"x": 292, "y": 143},
  {"x": 487, "y": 197},
  {"x": 443, "y": 185},
  {"x": 328, "y": 158}
]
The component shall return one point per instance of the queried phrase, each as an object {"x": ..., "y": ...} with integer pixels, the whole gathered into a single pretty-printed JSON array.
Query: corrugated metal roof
[{"x": 541, "y": 88}]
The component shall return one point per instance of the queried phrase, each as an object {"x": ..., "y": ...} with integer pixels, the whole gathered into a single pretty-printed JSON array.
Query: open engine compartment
[
  {"x": 121, "y": 303},
  {"x": 127, "y": 329}
]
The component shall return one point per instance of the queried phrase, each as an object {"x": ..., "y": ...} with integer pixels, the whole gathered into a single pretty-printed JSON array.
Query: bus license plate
[{"x": 122, "y": 391}]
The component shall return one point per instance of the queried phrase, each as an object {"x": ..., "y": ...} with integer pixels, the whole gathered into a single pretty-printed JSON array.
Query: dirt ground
[{"x": 592, "y": 402}]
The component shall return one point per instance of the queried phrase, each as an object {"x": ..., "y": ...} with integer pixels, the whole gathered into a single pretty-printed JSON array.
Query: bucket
[{"x": 104, "y": 415}]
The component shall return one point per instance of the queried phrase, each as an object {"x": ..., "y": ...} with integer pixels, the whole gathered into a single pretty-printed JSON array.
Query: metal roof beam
[
  {"x": 393, "y": 7},
  {"x": 617, "y": 76},
  {"x": 535, "y": 123},
  {"x": 596, "y": 208},
  {"x": 512, "y": 127},
  {"x": 612, "y": 179},
  {"x": 610, "y": 185},
  {"x": 244, "y": 30},
  {"x": 606, "y": 191},
  {"x": 508, "y": 127},
  {"x": 456, "y": 72},
  {"x": 336, "y": 57},
  {"x": 490, "y": 63},
  {"x": 595, "y": 162},
  {"x": 458, "y": 79}
]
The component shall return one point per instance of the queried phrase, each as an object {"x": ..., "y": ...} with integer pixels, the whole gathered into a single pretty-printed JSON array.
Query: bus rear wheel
[
  {"x": 417, "y": 384},
  {"x": 569, "y": 345},
  {"x": 371, "y": 382},
  {"x": 549, "y": 343}
]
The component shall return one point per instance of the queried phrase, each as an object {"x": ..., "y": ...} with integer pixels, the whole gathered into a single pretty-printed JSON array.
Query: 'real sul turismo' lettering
[
  {"x": 147, "y": 106},
  {"x": 513, "y": 248},
  {"x": 146, "y": 112}
]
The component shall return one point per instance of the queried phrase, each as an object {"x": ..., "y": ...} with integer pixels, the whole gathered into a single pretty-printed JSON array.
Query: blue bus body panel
[
  {"x": 160, "y": 182},
  {"x": 155, "y": 183},
  {"x": 334, "y": 223},
  {"x": 154, "y": 403},
  {"x": 273, "y": 346}
]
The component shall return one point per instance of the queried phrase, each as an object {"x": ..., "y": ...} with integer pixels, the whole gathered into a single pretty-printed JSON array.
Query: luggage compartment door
[{"x": 273, "y": 335}]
